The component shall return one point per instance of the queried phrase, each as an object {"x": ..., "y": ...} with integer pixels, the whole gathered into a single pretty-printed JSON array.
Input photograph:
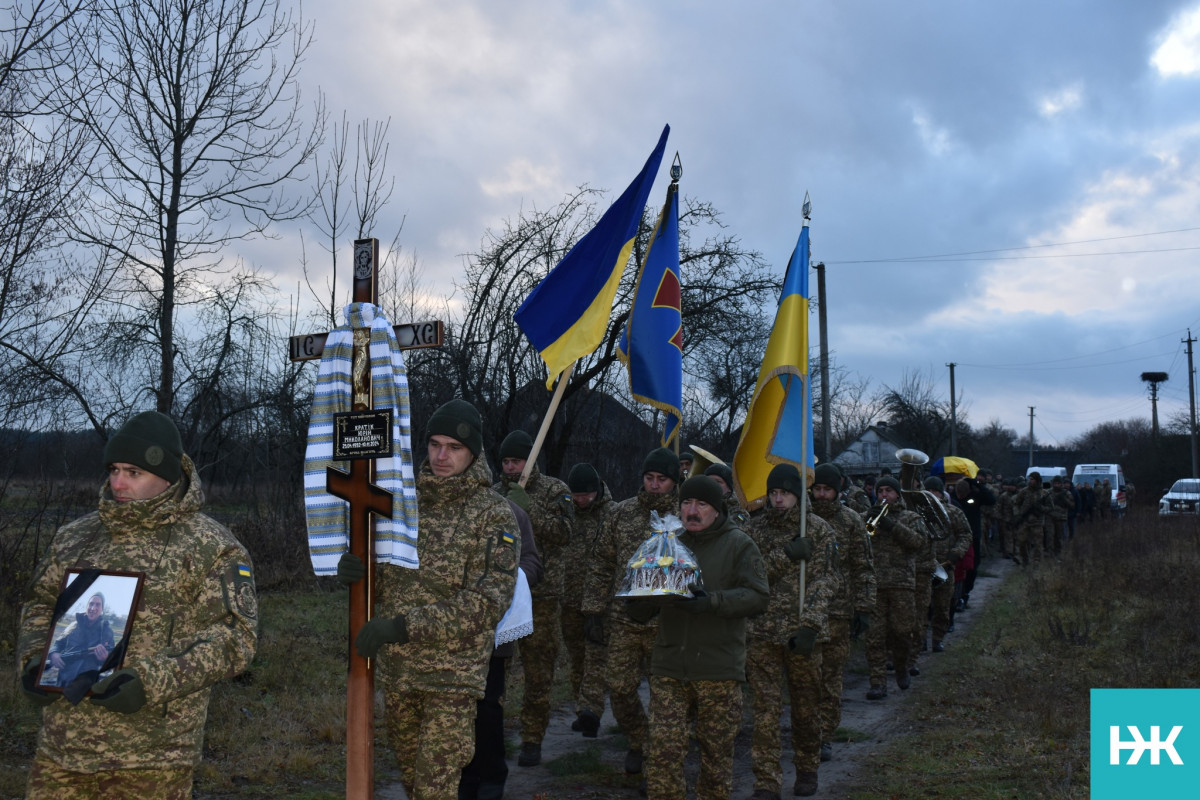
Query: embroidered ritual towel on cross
[{"x": 328, "y": 516}]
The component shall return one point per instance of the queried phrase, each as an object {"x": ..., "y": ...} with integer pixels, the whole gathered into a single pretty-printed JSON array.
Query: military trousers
[
  {"x": 922, "y": 596},
  {"x": 433, "y": 737},
  {"x": 629, "y": 649},
  {"x": 587, "y": 663},
  {"x": 539, "y": 651},
  {"x": 890, "y": 634},
  {"x": 718, "y": 707},
  {"x": 1029, "y": 542},
  {"x": 48, "y": 781},
  {"x": 768, "y": 665},
  {"x": 942, "y": 603},
  {"x": 834, "y": 655}
]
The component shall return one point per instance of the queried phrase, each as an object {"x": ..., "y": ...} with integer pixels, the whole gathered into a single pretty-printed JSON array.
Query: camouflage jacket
[
  {"x": 196, "y": 623},
  {"x": 1062, "y": 503},
  {"x": 857, "y": 499},
  {"x": 896, "y": 546},
  {"x": 470, "y": 547},
  {"x": 1029, "y": 506},
  {"x": 733, "y": 509},
  {"x": 577, "y": 556},
  {"x": 627, "y": 527},
  {"x": 954, "y": 545},
  {"x": 551, "y": 513},
  {"x": 1003, "y": 510},
  {"x": 771, "y": 530},
  {"x": 855, "y": 568},
  {"x": 711, "y": 645}
]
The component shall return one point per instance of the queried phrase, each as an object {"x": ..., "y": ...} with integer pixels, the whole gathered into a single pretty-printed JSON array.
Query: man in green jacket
[
  {"x": 699, "y": 655},
  {"x": 140, "y": 732}
]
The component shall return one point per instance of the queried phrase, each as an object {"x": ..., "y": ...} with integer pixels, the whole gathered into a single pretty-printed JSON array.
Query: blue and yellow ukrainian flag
[
  {"x": 652, "y": 343},
  {"x": 566, "y": 315},
  {"x": 778, "y": 427}
]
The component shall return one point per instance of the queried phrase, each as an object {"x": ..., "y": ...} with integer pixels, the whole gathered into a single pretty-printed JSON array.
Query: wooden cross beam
[{"x": 366, "y": 499}]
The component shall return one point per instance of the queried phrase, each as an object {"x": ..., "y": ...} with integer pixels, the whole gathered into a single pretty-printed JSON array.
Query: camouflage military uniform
[
  {"x": 196, "y": 623},
  {"x": 948, "y": 552},
  {"x": 1062, "y": 503},
  {"x": 855, "y": 583},
  {"x": 1003, "y": 513},
  {"x": 629, "y": 642},
  {"x": 700, "y": 658},
  {"x": 1030, "y": 505},
  {"x": 551, "y": 513},
  {"x": 901, "y": 537},
  {"x": 587, "y": 657},
  {"x": 857, "y": 499},
  {"x": 470, "y": 547},
  {"x": 768, "y": 661}
]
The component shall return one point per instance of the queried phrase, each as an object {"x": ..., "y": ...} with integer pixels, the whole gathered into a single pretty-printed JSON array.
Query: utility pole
[
  {"x": 1192, "y": 404},
  {"x": 1031, "y": 436},
  {"x": 826, "y": 414},
  {"x": 1154, "y": 379},
  {"x": 953, "y": 415}
]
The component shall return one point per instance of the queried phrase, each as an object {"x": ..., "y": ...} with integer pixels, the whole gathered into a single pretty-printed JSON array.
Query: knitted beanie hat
[
  {"x": 887, "y": 480},
  {"x": 583, "y": 478},
  {"x": 786, "y": 477},
  {"x": 828, "y": 475},
  {"x": 148, "y": 440},
  {"x": 459, "y": 420},
  {"x": 663, "y": 461},
  {"x": 704, "y": 489},
  {"x": 723, "y": 472},
  {"x": 935, "y": 484},
  {"x": 517, "y": 444}
]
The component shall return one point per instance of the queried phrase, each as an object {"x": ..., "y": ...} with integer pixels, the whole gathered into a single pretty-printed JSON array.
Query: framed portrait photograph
[{"x": 90, "y": 629}]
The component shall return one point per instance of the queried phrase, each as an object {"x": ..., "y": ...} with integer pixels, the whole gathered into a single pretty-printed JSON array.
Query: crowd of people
[{"x": 782, "y": 592}]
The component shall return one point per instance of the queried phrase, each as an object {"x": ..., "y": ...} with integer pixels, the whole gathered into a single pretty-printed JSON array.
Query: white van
[
  {"x": 1098, "y": 473},
  {"x": 1048, "y": 473}
]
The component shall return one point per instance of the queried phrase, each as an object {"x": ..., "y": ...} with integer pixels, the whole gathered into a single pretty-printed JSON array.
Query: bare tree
[
  {"x": 196, "y": 110},
  {"x": 918, "y": 414}
]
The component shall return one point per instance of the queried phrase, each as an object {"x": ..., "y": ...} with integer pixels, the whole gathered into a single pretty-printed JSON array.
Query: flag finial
[
  {"x": 806, "y": 209},
  {"x": 676, "y": 169}
]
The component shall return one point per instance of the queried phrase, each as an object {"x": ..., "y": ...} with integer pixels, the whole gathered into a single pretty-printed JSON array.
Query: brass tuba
[
  {"x": 702, "y": 460},
  {"x": 925, "y": 503}
]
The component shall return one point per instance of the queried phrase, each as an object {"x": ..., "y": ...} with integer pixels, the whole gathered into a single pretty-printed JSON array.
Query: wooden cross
[{"x": 366, "y": 499}]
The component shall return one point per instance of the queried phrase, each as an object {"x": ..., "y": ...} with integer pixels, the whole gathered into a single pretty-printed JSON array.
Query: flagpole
[
  {"x": 806, "y": 210},
  {"x": 563, "y": 377}
]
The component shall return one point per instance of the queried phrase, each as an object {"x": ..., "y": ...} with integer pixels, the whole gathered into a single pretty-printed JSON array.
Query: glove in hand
[
  {"x": 351, "y": 569},
  {"x": 517, "y": 493},
  {"x": 802, "y": 642},
  {"x": 123, "y": 692},
  {"x": 887, "y": 523},
  {"x": 800, "y": 548},
  {"x": 699, "y": 602},
  {"x": 28, "y": 685},
  {"x": 378, "y": 632}
]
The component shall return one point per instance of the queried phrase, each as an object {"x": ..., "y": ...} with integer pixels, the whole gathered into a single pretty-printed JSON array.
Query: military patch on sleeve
[
  {"x": 239, "y": 591},
  {"x": 504, "y": 555}
]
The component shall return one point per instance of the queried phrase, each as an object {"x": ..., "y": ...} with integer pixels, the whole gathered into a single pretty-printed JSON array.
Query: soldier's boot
[
  {"x": 806, "y": 784},
  {"x": 531, "y": 755},
  {"x": 826, "y": 751},
  {"x": 589, "y": 724},
  {"x": 902, "y": 680},
  {"x": 938, "y": 647},
  {"x": 877, "y": 692},
  {"x": 633, "y": 762}
]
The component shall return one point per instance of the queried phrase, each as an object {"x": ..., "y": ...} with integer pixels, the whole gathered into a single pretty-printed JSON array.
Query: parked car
[{"x": 1183, "y": 498}]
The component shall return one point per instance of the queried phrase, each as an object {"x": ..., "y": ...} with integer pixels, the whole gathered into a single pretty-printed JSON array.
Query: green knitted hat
[
  {"x": 517, "y": 444},
  {"x": 786, "y": 477},
  {"x": 723, "y": 472},
  {"x": 459, "y": 420},
  {"x": 663, "y": 461},
  {"x": 583, "y": 478},
  {"x": 935, "y": 484},
  {"x": 887, "y": 480},
  {"x": 704, "y": 489},
  {"x": 151, "y": 441},
  {"x": 827, "y": 475}
]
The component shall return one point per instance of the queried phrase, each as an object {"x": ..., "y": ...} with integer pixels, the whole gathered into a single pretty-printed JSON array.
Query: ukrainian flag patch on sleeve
[
  {"x": 243, "y": 571},
  {"x": 507, "y": 537}
]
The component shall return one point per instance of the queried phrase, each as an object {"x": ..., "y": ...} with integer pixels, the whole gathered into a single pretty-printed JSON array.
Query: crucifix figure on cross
[{"x": 360, "y": 415}]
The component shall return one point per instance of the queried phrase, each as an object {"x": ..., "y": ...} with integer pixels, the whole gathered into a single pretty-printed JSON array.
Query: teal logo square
[{"x": 1145, "y": 743}]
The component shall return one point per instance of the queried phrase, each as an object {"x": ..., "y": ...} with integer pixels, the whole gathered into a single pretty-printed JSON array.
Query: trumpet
[{"x": 872, "y": 523}]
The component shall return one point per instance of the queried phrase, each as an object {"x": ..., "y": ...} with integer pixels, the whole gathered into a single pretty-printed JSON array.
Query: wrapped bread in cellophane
[{"x": 662, "y": 566}]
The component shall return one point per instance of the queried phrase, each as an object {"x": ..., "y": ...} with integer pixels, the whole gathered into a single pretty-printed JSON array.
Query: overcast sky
[{"x": 1036, "y": 163}]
